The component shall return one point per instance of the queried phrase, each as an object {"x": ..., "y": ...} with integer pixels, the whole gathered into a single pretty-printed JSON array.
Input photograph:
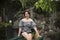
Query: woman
[{"x": 25, "y": 26}]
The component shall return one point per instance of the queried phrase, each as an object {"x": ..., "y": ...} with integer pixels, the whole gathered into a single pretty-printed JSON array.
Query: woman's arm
[
  {"x": 35, "y": 28},
  {"x": 19, "y": 32},
  {"x": 37, "y": 33},
  {"x": 20, "y": 27}
]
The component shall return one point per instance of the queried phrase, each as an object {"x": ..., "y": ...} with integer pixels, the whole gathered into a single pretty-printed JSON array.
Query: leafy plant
[
  {"x": 46, "y": 5},
  {"x": 23, "y": 2},
  {"x": 3, "y": 24},
  {"x": 27, "y": 3}
]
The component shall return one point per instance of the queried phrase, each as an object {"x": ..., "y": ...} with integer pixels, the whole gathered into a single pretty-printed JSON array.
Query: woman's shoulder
[
  {"x": 22, "y": 19},
  {"x": 31, "y": 19}
]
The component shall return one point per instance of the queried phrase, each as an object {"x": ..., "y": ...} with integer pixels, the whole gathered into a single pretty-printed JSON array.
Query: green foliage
[
  {"x": 23, "y": 2},
  {"x": 3, "y": 24},
  {"x": 46, "y": 5},
  {"x": 27, "y": 3}
]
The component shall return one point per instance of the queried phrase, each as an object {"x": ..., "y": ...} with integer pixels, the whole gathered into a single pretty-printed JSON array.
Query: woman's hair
[{"x": 26, "y": 11}]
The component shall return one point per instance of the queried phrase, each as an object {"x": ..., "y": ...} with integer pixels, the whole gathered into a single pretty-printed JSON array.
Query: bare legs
[{"x": 27, "y": 36}]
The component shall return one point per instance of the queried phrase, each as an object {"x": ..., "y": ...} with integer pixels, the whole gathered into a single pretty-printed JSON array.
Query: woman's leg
[
  {"x": 27, "y": 36},
  {"x": 30, "y": 36}
]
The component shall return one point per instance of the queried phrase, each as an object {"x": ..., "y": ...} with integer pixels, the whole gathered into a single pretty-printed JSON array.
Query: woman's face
[{"x": 27, "y": 14}]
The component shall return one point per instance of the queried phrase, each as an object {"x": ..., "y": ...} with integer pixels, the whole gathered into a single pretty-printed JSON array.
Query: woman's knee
[
  {"x": 30, "y": 36},
  {"x": 27, "y": 36},
  {"x": 24, "y": 34}
]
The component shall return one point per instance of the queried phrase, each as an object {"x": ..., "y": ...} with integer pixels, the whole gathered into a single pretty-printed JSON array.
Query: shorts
[{"x": 27, "y": 32}]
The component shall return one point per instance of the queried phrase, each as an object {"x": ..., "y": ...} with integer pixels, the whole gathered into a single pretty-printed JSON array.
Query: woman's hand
[
  {"x": 19, "y": 32},
  {"x": 36, "y": 32},
  {"x": 18, "y": 35},
  {"x": 37, "y": 35}
]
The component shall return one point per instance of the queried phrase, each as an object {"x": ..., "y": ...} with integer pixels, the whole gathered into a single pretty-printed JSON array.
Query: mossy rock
[{"x": 39, "y": 38}]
